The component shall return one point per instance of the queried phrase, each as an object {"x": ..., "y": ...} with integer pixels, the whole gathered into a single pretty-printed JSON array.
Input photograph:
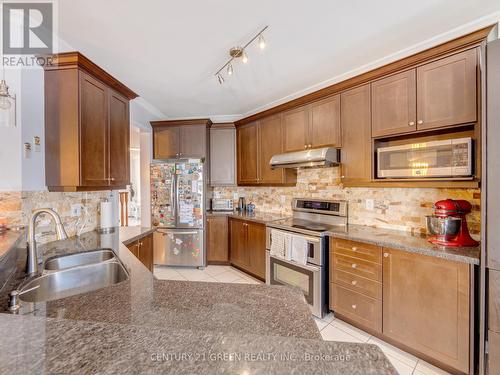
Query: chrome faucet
[{"x": 32, "y": 267}]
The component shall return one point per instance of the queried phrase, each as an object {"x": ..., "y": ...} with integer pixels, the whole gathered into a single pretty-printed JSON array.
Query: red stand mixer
[{"x": 448, "y": 225}]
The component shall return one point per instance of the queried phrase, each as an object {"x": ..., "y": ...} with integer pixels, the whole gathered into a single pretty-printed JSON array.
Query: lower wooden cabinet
[
  {"x": 417, "y": 301},
  {"x": 143, "y": 250},
  {"x": 248, "y": 246},
  {"x": 217, "y": 240}
]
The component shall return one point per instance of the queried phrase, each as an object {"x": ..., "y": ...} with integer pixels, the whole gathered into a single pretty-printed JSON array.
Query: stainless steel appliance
[
  {"x": 221, "y": 204},
  {"x": 317, "y": 157},
  {"x": 311, "y": 220},
  {"x": 443, "y": 158},
  {"x": 177, "y": 210}
]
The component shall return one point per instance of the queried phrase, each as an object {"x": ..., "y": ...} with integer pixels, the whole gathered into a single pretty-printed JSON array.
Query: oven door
[{"x": 309, "y": 278}]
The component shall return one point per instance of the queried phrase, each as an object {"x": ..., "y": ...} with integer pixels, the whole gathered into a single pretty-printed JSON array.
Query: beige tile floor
[{"x": 331, "y": 328}]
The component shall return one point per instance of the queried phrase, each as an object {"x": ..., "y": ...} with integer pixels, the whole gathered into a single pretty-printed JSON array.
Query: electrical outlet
[
  {"x": 370, "y": 204},
  {"x": 235, "y": 196},
  {"x": 282, "y": 199},
  {"x": 76, "y": 209}
]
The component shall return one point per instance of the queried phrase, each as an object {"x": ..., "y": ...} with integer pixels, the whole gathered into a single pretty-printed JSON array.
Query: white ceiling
[{"x": 167, "y": 51}]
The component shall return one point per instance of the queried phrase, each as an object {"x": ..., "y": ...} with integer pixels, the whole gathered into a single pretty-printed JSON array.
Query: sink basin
[
  {"x": 72, "y": 281},
  {"x": 78, "y": 259}
]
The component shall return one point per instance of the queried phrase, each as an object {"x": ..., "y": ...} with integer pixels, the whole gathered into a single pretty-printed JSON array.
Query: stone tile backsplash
[
  {"x": 17, "y": 208},
  {"x": 394, "y": 208}
]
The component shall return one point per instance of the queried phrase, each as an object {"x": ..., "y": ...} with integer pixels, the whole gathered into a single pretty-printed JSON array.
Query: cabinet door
[
  {"x": 238, "y": 251},
  {"x": 394, "y": 104},
  {"x": 426, "y": 305},
  {"x": 166, "y": 142},
  {"x": 93, "y": 132},
  {"x": 134, "y": 248},
  {"x": 270, "y": 141},
  {"x": 356, "y": 155},
  {"x": 217, "y": 239},
  {"x": 295, "y": 129},
  {"x": 324, "y": 129},
  {"x": 193, "y": 141},
  {"x": 446, "y": 91},
  {"x": 146, "y": 251},
  {"x": 119, "y": 140},
  {"x": 256, "y": 248},
  {"x": 247, "y": 138},
  {"x": 222, "y": 156}
]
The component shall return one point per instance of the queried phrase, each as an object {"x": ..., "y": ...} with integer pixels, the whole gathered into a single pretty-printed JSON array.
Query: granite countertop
[
  {"x": 30, "y": 344},
  {"x": 406, "y": 241},
  {"x": 8, "y": 239},
  {"x": 262, "y": 217},
  {"x": 122, "y": 327}
]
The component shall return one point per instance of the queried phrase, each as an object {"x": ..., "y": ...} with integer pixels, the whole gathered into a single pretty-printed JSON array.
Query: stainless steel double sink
[{"x": 69, "y": 275}]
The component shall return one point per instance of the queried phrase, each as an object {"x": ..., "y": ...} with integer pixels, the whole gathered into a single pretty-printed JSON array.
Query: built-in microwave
[{"x": 441, "y": 158}]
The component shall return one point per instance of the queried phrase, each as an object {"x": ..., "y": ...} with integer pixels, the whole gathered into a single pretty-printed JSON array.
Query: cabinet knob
[
  {"x": 112, "y": 178},
  {"x": 309, "y": 145},
  {"x": 354, "y": 307},
  {"x": 342, "y": 176},
  {"x": 354, "y": 282},
  {"x": 411, "y": 123},
  {"x": 420, "y": 122},
  {"x": 386, "y": 255},
  {"x": 354, "y": 265},
  {"x": 354, "y": 248},
  {"x": 305, "y": 146}
]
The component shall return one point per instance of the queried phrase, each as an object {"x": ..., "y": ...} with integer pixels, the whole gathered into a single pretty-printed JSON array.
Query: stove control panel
[{"x": 329, "y": 207}]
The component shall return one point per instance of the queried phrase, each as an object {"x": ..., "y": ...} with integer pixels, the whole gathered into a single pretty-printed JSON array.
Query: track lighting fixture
[{"x": 240, "y": 52}]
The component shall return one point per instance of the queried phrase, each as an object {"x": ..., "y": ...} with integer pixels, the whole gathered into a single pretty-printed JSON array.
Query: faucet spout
[{"x": 32, "y": 261}]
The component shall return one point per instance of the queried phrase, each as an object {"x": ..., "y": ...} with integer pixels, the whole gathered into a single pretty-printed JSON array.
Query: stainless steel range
[{"x": 311, "y": 221}]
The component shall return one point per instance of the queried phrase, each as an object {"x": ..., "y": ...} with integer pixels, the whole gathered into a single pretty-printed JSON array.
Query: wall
[{"x": 395, "y": 208}]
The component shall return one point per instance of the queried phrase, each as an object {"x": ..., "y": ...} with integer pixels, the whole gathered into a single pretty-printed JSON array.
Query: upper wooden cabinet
[
  {"x": 356, "y": 155},
  {"x": 394, "y": 104},
  {"x": 222, "y": 155},
  {"x": 86, "y": 126},
  {"x": 296, "y": 129},
  {"x": 433, "y": 318},
  {"x": 447, "y": 91},
  {"x": 247, "y": 140},
  {"x": 179, "y": 139},
  {"x": 324, "y": 129},
  {"x": 257, "y": 142},
  {"x": 312, "y": 126}
]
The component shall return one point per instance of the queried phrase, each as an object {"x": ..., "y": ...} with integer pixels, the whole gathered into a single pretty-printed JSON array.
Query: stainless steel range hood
[{"x": 318, "y": 157}]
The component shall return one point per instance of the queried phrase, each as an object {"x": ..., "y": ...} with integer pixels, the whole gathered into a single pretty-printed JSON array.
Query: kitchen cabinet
[
  {"x": 257, "y": 142},
  {"x": 325, "y": 127},
  {"x": 296, "y": 129},
  {"x": 312, "y": 126},
  {"x": 179, "y": 139},
  {"x": 222, "y": 155},
  {"x": 394, "y": 104},
  {"x": 248, "y": 246},
  {"x": 356, "y": 153},
  {"x": 433, "y": 318},
  {"x": 217, "y": 239},
  {"x": 270, "y": 142},
  {"x": 447, "y": 91},
  {"x": 143, "y": 250},
  {"x": 356, "y": 282},
  {"x": 247, "y": 138},
  {"x": 86, "y": 126}
]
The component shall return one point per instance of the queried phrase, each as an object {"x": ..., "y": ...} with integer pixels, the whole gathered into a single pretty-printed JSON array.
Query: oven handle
[
  {"x": 307, "y": 238},
  {"x": 308, "y": 266}
]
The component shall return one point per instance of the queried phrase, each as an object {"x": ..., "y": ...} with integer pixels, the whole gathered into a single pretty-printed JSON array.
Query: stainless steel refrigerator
[{"x": 177, "y": 210}]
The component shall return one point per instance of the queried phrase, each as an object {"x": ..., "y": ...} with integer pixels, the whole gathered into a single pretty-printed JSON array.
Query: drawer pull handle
[
  {"x": 386, "y": 255},
  {"x": 354, "y": 282},
  {"x": 354, "y": 307},
  {"x": 354, "y": 248},
  {"x": 354, "y": 265}
]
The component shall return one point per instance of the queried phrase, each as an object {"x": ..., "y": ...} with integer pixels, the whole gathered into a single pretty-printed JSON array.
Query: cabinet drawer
[
  {"x": 361, "y": 309},
  {"x": 494, "y": 300},
  {"x": 357, "y": 267},
  {"x": 358, "y": 284},
  {"x": 371, "y": 253}
]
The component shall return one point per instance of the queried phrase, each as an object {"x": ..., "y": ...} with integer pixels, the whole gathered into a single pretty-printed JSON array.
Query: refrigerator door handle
[{"x": 173, "y": 196}]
